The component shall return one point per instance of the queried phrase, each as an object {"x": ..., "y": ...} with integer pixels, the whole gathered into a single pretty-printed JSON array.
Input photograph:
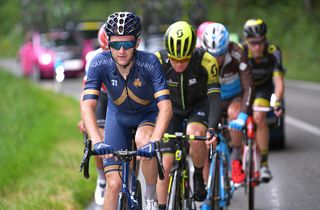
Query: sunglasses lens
[{"x": 125, "y": 44}]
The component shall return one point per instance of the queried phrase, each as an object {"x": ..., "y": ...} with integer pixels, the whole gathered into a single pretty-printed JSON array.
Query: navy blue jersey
[{"x": 144, "y": 87}]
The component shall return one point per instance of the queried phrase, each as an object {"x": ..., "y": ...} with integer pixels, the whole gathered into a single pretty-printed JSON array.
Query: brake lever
[{"x": 159, "y": 158}]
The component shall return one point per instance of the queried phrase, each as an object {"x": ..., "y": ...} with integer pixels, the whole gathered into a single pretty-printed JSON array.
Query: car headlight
[{"x": 45, "y": 59}]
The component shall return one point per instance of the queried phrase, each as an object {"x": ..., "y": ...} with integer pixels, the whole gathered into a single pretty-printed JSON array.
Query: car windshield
[{"x": 57, "y": 39}]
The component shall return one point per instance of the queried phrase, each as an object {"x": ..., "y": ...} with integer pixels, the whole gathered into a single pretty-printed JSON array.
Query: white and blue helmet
[{"x": 215, "y": 39}]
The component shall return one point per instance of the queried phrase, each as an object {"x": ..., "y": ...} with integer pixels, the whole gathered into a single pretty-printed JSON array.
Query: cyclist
[
  {"x": 192, "y": 77},
  {"x": 138, "y": 97},
  {"x": 265, "y": 60},
  {"x": 236, "y": 87},
  {"x": 100, "y": 115}
]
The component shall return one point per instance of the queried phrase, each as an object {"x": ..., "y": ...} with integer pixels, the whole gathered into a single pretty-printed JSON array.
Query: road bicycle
[
  {"x": 130, "y": 197},
  {"x": 180, "y": 195},
  {"x": 219, "y": 186}
]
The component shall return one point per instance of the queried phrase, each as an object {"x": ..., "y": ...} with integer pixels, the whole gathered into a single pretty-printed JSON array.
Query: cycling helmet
[
  {"x": 254, "y": 28},
  {"x": 215, "y": 39},
  {"x": 122, "y": 24},
  {"x": 200, "y": 31},
  {"x": 180, "y": 40},
  {"x": 102, "y": 38}
]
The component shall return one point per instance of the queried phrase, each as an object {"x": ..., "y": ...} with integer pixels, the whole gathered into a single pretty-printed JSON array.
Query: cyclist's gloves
[
  {"x": 147, "y": 150},
  {"x": 239, "y": 123},
  {"x": 102, "y": 149},
  {"x": 277, "y": 105}
]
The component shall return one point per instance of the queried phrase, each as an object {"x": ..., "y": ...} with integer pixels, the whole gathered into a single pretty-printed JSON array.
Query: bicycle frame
[{"x": 220, "y": 165}]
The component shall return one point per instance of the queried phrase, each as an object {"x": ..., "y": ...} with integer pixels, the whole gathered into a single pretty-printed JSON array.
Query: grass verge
[{"x": 40, "y": 149}]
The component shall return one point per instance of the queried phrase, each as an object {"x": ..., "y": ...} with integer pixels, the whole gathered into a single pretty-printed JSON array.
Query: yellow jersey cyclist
[
  {"x": 138, "y": 97},
  {"x": 192, "y": 77},
  {"x": 265, "y": 60},
  {"x": 236, "y": 87}
]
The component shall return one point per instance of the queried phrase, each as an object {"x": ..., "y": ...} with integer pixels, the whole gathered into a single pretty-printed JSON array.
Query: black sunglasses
[{"x": 125, "y": 44}]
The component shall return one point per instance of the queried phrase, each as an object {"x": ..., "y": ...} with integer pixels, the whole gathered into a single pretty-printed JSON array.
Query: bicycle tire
[
  {"x": 175, "y": 201},
  {"x": 189, "y": 202},
  {"x": 216, "y": 184},
  {"x": 139, "y": 195},
  {"x": 250, "y": 176},
  {"x": 123, "y": 202}
]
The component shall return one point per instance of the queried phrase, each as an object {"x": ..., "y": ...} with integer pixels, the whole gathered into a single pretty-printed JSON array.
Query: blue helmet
[
  {"x": 215, "y": 39},
  {"x": 122, "y": 24}
]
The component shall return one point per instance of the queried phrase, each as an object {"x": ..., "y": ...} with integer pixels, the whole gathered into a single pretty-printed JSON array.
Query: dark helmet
[
  {"x": 254, "y": 28},
  {"x": 122, "y": 24}
]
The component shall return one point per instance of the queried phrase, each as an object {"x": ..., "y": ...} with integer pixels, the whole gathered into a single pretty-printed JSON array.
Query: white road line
[{"x": 302, "y": 125}]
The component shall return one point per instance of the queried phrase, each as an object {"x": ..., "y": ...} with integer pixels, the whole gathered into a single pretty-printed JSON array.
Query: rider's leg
[
  {"x": 148, "y": 166},
  {"x": 113, "y": 189},
  {"x": 262, "y": 134},
  {"x": 162, "y": 185},
  {"x": 198, "y": 153},
  {"x": 236, "y": 142}
]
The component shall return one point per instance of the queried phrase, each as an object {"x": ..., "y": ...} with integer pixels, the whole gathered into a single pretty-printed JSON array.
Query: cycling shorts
[
  {"x": 263, "y": 94},
  {"x": 118, "y": 132},
  {"x": 101, "y": 109},
  {"x": 180, "y": 119}
]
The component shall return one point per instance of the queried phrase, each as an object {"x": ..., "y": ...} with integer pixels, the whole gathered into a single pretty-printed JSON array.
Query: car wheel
[
  {"x": 36, "y": 73},
  {"x": 277, "y": 135}
]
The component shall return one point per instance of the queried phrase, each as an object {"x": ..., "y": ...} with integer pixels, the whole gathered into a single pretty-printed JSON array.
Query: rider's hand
[
  {"x": 81, "y": 126},
  {"x": 213, "y": 138},
  {"x": 277, "y": 108},
  {"x": 147, "y": 150},
  {"x": 102, "y": 149},
  {"x": 238, "y": 123}
]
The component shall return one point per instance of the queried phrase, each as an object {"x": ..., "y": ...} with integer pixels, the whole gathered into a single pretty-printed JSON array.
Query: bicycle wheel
[
  {"x": 175, "y": 201},
  {"x": 123, "y": 202},
  {"x": 216, "y": 184},
  {"x": 188, "y": 202},
  {"x": 139, "y": 195},
  {"x": 250, "y": 175}
]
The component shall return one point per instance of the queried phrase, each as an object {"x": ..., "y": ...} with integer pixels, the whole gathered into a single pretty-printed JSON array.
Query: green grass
[{"x": 40, "y": 149}]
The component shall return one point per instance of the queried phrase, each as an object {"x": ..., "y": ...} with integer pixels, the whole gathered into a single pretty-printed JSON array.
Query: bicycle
[
  {"x": 130, "y": 196},
  {"x": 219, "y": 187},
  {"x": 180, "y": 195}
]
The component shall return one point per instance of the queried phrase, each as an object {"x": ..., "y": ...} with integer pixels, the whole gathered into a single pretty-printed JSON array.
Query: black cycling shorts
[
  {"x": 263, "y": 94},
  {"x": 181, "y": 118}
]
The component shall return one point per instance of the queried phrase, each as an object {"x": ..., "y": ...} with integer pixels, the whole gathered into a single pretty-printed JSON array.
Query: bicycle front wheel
[
  {"x": 250, "y": 176},
  {"x": 175, "y": 200},
  {"x": 123, "y": 202}
]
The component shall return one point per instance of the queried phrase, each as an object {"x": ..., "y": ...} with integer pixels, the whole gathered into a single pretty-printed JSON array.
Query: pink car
[{"x": 44, "y": 51}]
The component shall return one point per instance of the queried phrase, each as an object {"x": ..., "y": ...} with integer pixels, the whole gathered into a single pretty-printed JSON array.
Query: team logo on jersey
[
  {"x": 137, "y": 82},
  {"x": 201, "y": 114},
  {"x": 192, "y": 81},
  {"x": 114, "y": 83}
]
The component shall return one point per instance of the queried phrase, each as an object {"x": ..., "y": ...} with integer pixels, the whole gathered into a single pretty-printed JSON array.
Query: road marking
[{"x": 302, "y": 125}]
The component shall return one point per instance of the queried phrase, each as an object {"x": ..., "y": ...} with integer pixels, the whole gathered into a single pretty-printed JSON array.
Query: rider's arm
[
  {"x": 211, "y": 66},
  {"x": 278, "y": 74},
  {"x": 162, "y": 96},
  {"x": 163, "y": 119},
  {"x": 246, "y": 83}
]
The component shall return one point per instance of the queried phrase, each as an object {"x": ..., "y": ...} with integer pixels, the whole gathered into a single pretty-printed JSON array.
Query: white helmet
[{"x": 215, "y": 39}]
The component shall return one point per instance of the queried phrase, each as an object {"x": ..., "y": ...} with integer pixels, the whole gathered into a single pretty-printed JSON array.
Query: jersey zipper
[{"x": 182, "y": 92}]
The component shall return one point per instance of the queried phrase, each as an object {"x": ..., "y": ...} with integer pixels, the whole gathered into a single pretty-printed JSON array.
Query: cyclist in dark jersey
[
  {"x": 236, "y": 87},
  {"x": 265, "y": 60},
  {"x": 192, "y": 77},
  {"x": 138, "y": 97}
]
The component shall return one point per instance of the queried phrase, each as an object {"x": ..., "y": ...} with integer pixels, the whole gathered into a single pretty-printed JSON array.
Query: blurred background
[{"x": 40, "y": 145}]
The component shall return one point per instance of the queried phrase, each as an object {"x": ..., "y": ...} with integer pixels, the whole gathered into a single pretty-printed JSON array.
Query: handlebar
[
  {"x": 179, "y": 135},
  {"x": 122, "y": 154}
]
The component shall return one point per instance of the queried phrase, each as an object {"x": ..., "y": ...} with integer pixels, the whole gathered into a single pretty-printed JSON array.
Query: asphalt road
[{"x": 296, "y": 170}]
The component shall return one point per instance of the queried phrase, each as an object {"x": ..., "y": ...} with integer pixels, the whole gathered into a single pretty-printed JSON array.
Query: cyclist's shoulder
[
  {"x": 236, "y": 51},
  {"x": 101, "y": 58},
  {"x": 273, "y": 49}
]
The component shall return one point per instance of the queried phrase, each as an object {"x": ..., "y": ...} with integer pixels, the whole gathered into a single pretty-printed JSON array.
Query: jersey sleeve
[
  {"x": 161, "y": 90},
  {"x": 93, "y": 82},
  {"x": 209, "y": 63},
  {"x": 278, "y": 69}
]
